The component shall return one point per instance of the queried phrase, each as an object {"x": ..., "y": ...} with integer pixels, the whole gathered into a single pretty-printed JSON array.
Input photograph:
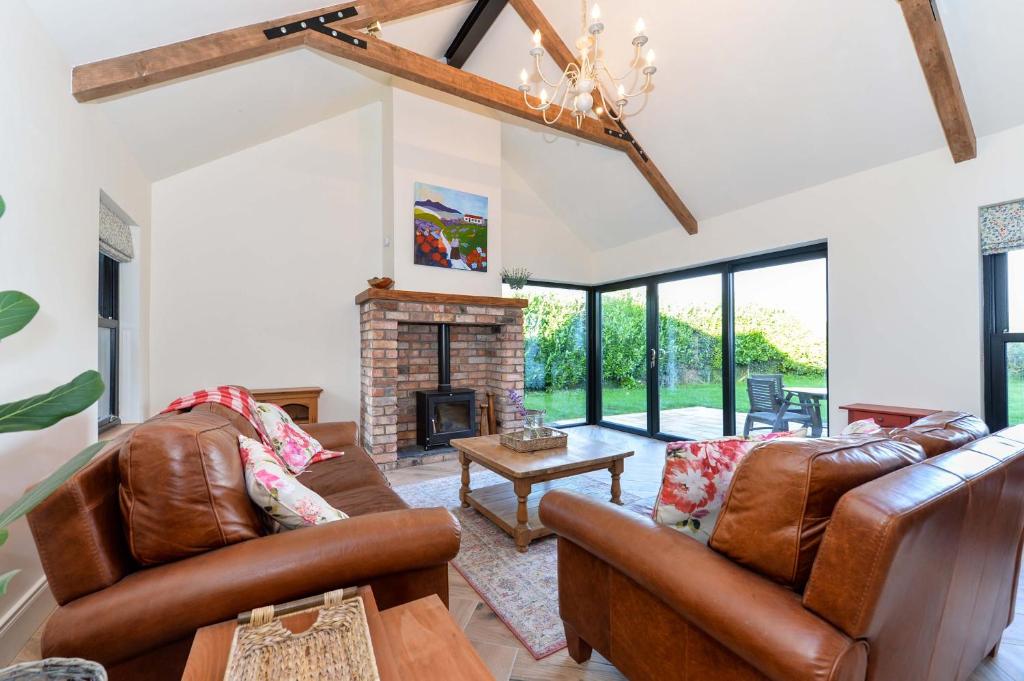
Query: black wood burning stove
[{"x": 444, "y": 414}]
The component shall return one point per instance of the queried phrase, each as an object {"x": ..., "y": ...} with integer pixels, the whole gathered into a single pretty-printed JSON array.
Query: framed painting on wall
[{"x": 450, "y": 228}]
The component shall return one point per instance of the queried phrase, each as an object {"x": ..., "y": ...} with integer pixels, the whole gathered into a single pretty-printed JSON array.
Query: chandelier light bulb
[
  {"x": 595, "y": 12},
  {"x": 650, "y": 57},
  {"x": 544, "y": 96},
  {"x": 536, "y": 38},
  {"x": 524, "y": 76},
  {"x": 622, "y": 91},
  {"x": 640, "y": 26}
]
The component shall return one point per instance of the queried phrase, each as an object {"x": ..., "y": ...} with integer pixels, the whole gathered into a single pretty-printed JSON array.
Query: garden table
[{"x": 810, "y": 400}]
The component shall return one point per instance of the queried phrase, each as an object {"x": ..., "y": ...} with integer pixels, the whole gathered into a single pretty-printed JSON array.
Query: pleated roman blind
[
  {"x": 115, "y": 236},
  {"x": 1002, "y": 227}
]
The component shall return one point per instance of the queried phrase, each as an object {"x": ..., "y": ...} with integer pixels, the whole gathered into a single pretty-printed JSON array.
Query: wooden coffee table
[{"x": 509, "y": 505}]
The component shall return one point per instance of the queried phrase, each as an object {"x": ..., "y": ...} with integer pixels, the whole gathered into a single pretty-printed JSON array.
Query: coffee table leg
[
  {"x": 464, "y": 490},
  {"x": 616, "y": 471},
  {"x": 522, "y": 534}
]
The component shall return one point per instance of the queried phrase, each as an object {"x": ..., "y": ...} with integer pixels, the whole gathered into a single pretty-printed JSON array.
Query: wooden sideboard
[
  {"x": 302, "y": 404},
  {"x": 886, "y": 416}
]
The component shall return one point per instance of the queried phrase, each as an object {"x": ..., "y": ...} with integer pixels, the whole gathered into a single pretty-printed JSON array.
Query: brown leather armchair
[
  {"x": 913, "y": 575},
  {"x": 98, "y": 535}
]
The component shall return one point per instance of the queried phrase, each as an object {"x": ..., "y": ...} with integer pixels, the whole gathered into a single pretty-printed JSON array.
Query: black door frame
[{"x": 995, "y": 273}]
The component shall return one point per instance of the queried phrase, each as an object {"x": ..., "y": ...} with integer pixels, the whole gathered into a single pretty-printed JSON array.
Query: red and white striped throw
[{"x": 235, "y": 399}]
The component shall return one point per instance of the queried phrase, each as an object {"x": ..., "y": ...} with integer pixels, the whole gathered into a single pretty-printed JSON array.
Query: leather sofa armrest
[
  {"x": 159, "y": 605},
  {"x": 758, "y": 620},
  {"x": 333, "y": 436}
]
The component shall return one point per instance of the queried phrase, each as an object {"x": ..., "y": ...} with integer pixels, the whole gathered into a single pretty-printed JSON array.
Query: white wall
[
  {"x": 451, "y": 146},
  {"x": 535, "y": 238},
  {"x": 904, "y": 269},
  {"x": 57, "y": 157},
  {"x": 258, "y": 258}
]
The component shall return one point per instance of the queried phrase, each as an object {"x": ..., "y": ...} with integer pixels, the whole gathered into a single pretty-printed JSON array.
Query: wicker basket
[
  {"x": 548, "y": 438},
  {"x": 55, "y": 669},
  {"x": 337, "y": 646}
]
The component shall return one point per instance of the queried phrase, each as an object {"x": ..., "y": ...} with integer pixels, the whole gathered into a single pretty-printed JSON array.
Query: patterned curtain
[
  {"x": 1002, "y": 227},
  {"x": 115, "y": 236}
]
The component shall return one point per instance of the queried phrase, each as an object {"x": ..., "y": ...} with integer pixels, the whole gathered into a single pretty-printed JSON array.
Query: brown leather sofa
[
  {"x": 157, "y": 537},
  {"x": 911, "y": 570}
]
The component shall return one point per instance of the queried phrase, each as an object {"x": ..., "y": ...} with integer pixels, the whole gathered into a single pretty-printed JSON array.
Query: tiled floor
[{"x": 509, "y": 661}]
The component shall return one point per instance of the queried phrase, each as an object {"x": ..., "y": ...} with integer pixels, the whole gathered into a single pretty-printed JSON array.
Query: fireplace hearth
[{"x": 446, "y": 413}]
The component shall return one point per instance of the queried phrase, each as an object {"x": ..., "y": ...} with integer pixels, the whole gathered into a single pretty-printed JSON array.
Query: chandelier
[{"x": 584, "y": 87}]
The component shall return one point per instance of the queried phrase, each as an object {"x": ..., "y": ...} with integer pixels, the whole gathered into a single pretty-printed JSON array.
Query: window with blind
[{"x": 1002, "y": 244}]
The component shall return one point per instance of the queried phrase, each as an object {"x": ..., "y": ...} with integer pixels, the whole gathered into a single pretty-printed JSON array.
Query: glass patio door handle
[{"x": 654, "y": 358}]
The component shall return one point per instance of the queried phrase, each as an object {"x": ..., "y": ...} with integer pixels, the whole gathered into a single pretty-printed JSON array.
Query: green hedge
[{"x": 767, "y": 341}]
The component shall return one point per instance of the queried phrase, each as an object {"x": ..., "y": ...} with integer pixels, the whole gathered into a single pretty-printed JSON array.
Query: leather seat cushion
[
  {"x": 182, "y": 488},
  {"x": 943, "y": 432},
  {"x": 783, "y": 494},
  {"x": 352, "y": 470},
  {"x": 366, "y": 500}
]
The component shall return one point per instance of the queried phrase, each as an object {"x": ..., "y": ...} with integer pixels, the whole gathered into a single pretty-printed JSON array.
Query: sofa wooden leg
[
  {"x": 579, "y": 650},
  {"x": 995, "y": 650}
]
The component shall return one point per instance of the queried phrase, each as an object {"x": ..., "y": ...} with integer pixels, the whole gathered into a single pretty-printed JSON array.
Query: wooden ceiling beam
[
  {"x": 162, "y": 64},
  {"x": 563, "y": 56},
  {"x": 932, "y": 47},
  {"x": 408, "y": 65}
]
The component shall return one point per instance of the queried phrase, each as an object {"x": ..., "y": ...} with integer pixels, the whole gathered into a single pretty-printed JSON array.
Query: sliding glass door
[
  {"x": 690, "y": 396},
  {"x": 720, "y": 350},
  {"x": 780, "y": 315},
  {"x": 625, "y": 358},
  {"x": 555, "y": 345}
]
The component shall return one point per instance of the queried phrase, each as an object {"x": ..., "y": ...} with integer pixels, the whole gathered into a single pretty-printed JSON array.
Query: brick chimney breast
[{"x": 398, "y": 356}]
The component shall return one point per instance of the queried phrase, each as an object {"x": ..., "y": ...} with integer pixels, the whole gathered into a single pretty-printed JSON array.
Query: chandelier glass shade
[{"x": 587, "y": 87}]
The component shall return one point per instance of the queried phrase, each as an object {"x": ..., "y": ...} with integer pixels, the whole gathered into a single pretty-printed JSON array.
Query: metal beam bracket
[
  {"x": 627, "y": 136},
  {"x": 343, "y": 37},
  {"x": 318, "y": 21}
]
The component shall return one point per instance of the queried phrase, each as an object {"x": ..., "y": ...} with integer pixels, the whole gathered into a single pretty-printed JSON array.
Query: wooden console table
[
  {"x": 302, "y": 404},
  {"x": 885, "y": 416}
]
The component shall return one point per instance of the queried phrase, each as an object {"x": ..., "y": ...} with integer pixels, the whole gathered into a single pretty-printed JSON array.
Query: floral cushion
[
  {"x": 296, "y": 448},
  {"x": 696, "y": 478},
  {"x": 278, "y": 493}
]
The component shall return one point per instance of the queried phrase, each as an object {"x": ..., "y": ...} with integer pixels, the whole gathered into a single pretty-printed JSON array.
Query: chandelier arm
[
  {"x": 641, "y": 91},
  {"x": 561, "y": 110},
  {"x": 612, "y": 113},
  {"x": 569, "y": 70},
  {"x": 637, "y": 58}
]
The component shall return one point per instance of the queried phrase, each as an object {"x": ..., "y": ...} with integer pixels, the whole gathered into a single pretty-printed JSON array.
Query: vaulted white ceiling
[{"x": 753, "y": 99}]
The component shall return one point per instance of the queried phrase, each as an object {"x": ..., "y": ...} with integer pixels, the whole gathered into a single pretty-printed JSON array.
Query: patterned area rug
[{"x": 521, "y": 588}]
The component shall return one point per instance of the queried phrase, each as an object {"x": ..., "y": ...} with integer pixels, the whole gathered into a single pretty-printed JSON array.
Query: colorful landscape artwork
[{"x": 451, "y": 229}]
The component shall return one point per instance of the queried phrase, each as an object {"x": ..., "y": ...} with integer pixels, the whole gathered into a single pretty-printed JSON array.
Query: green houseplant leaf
[
  {"x": 3, "y": 206},
  {"x": 16, "y": 311},
  {"x": 5, "y": 579},
  {"x": 42, "y": 411},
  {"x": 37, "y": 494}
]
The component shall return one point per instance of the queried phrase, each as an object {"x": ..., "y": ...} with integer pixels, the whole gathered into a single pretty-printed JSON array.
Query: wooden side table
[
  {"x": 302, "y": 404},
  {"x": 886, "y": 416},
  {"x": 417, "y": 641}
]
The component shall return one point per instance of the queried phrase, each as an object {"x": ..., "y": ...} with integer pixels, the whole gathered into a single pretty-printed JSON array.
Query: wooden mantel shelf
[{"x": 438, "y": 298}]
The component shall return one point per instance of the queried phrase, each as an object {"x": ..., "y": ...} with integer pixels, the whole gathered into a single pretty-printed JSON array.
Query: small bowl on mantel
[{"x": 382, "y": 283}]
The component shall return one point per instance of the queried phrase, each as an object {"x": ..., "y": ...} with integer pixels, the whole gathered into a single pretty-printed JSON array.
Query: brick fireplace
[{"x": 399, "y": 356}]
